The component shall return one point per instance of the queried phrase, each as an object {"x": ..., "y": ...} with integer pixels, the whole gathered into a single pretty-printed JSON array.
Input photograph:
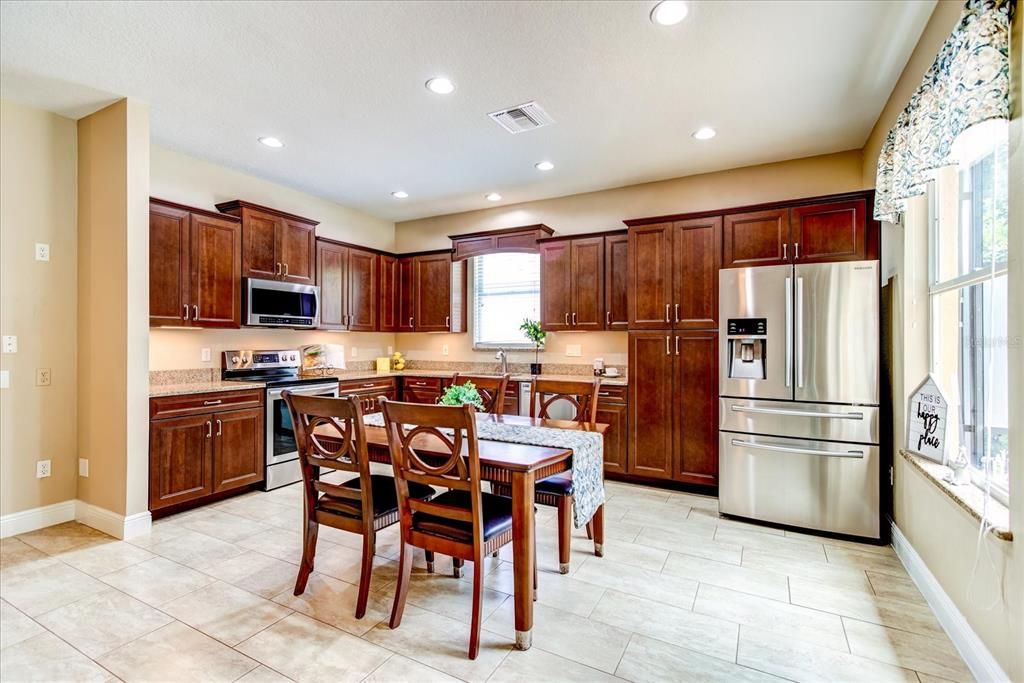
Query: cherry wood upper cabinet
[
  {"x": 758, "y": 238},
  {"x": 363, "y": 294},
  {"x": 275, "y": 245},
  {"x": 616, "y": 271},
  {"x": 696, "y": 259},
  {"x": 433, "y": 292},
  {"x": 833, "y": 231},
  {"x": 330, "y": 276},
  {"x": 556, "y": 285},
  {"x": 650, "y": 276},
  {"x": 696, "y": 407},
  {"x": 588, "y": 312},
  {"x": 388, "y": 312},
  {"x": 406, "y": 288},
  {"x": 430, "y": 293},
  {"x": 348, "y": 278},
  {"x": 195, "y": 267},
  {"x": 169, "y": 272},
  {"x": 651, "y": 401}
]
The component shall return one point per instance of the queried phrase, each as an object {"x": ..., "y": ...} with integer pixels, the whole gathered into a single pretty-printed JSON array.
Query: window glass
[{"x": 506, "y": 290}]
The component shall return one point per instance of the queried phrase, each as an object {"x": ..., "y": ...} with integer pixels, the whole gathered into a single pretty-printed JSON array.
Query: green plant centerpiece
[
  {"x": 462, "y": 394},
  {"x": 532, "y": 331}
]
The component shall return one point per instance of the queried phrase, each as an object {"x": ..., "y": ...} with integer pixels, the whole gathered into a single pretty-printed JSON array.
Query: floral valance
[{"x": 968, "y": 83}]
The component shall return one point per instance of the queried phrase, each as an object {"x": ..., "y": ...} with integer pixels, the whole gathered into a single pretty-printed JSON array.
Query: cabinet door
[
  {"x": 760, "y": 238},
  {"x": 511, "y": 406},
  {"x": 388, "y": 315},
  {"x": 830, "y": 232},
  {"x": 696, "y": 258},
  {"x": 180, "y": 460},
  {"x": 556, "y": 285},
  {"x": 650, "y": 277},
  {"x": 216, "y": 264},
  {"x": 362, "y": 290},
  {"x": 614, "y": 415},
  {"x": 696, "y": 408},
  {"x": 616, "y": 272},
  {"x": 406, "y": 288},
  {"x": 587, "y": 283},
  {"x": 433, "y": 292},
  {"x": 296, "y": 249},
  {"x": 238, "y": 448},
  {"x": 259, "y": 244},
  {"x": 168, "y": 266},
  {"x": 651, "y": 389},
  {"x": 331, "y": 260}
]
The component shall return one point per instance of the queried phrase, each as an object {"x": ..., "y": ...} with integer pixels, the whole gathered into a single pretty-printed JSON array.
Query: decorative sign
[{"x": 926, "y": 421}]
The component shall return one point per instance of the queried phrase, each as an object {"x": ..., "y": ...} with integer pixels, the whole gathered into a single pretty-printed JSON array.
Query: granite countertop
[{"x": 157, "y": 390}]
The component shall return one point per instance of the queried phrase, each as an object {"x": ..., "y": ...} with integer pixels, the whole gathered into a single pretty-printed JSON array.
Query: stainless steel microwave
[{"x": 269, "y": 303}]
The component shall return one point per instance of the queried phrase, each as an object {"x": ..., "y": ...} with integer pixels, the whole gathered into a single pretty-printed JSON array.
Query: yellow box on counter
[{"x": 384, "y": 364}]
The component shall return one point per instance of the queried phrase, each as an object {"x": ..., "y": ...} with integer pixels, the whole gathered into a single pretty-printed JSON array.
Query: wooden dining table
[{"x": 519, "y": 466}]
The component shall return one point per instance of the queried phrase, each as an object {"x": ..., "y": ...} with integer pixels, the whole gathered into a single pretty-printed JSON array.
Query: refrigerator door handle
[
  {"x": 802, "y": 451},
  {"x": 799, "y": 332},
  {"x": 798, "y": 413},
  {"x": 789, "y": 331}
]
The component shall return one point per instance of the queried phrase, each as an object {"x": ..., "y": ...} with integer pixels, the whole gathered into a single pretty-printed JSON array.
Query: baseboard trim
[
  {"x": 36, "y": 518},
  {"x": 112, "y": 523},
  {"x": 977, "y": 657}
]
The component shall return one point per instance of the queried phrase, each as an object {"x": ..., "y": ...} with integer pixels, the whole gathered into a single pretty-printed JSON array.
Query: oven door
[{"x": 282, "y": 451}]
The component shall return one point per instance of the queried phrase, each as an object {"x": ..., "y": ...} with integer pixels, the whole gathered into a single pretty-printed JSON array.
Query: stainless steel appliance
[
  {"x": 269, "y": 303},
  {"x": 279, "y": 370},
  {"x": 799, "y": 396}
]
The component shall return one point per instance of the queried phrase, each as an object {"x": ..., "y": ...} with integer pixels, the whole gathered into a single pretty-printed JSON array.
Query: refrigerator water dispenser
[{"x": 747, "y": 347}]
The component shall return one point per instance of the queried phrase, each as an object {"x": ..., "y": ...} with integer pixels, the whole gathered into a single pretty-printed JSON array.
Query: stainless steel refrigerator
[{"x": 799, "y": 396}]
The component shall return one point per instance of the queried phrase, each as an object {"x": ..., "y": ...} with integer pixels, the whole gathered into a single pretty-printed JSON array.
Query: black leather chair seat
[
  {"x": 497, "y": 517},
  {"x": 558, "y": 484},
  {"x": 385, "y": 498}
]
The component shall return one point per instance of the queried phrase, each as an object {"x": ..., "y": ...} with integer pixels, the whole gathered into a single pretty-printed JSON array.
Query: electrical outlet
[
  {"x": 42, "y": 468},
  {"x": 83, "y": 467},
  {"x": 573, "y": 350},
  {"x": 204, "y": 355},
  {"x": 42, "y": 252},
  {"x": 10, "y": 343},
  {"x": 355, "y": 352},
  {"x": 444, "y": 349},
  {"x": 42, "y": 377}
]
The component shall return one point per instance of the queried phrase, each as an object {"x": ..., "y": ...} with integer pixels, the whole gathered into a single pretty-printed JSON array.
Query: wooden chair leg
[
  {"x": 402, "y": 590},
  {"x": 598, "y": 522},
  {"x": 308, "y": 553},
  {"x": 590, "y": 531},
  {"x": 564, "y": 533},
  {"x": 430, "y": 560},
  {"x": 457, "y": 567},
  {"x": 478, "y": 598},
  {"x": 365, "y": 576}
]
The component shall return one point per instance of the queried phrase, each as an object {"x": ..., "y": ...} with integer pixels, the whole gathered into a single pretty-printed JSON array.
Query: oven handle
[
  {"x": 802, "y": 451},
  {"x": 798, "y": 413},
  {"x": 314, "y": 390}
]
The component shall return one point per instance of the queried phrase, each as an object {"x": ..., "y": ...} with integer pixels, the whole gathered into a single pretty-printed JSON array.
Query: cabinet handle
[
  {"x": 278, "y": 272},
  {"x": 668, "y": 351},
  {"x": 410, "y": 321},
  {"x": 666, "y": 313},
  {"x": 603, "y": 393},
  {"x": 195, "y": 311},
  {"x": 796, "y": 249},
  {"x": 448, "y": 321},
  {"x": 220, "y": 428},
  {"x": 608, "y": 318},
  {"x": 286, "y": 270},
  {"x": 574, "y": 317},
  {"x": 369, "y": 384},
  {"x": 784, "y": 256},
  {"x": 209, "y": 429},
  {"x": 677, "y": 345},
  {"x": 186, "y": 311},
  {"x": 213, "y": 403},
  {"x": 566, "y": 318},
  {"x": 677, "y": 312}
]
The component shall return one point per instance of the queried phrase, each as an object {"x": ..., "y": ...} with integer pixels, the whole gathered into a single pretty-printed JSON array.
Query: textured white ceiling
[{"x": 342, "y": 85}]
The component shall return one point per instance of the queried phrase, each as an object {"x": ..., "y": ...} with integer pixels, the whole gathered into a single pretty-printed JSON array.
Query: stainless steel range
[
  {"x": 799, "y": 387},
  {"x": 280, "y": 371}
]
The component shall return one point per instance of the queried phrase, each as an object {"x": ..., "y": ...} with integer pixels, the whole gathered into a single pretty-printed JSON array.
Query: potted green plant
[
  {"x": 461, "y": 394},
  {"x": 531, "y": 329}
]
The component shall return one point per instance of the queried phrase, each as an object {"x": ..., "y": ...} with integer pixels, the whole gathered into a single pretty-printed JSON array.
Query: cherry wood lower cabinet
[
  {"x": 651, "y": 410},
  {"x": 368, "y": 390},
  {"x": 204, "y": 444},
  {"x": 421, "y": 389},
  {"x": 696, "y": 407},
  {"x": 612, "y": 411}
]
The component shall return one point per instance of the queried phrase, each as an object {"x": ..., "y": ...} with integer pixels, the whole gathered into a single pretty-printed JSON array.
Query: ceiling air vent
[{"x": 522, "y": 118}]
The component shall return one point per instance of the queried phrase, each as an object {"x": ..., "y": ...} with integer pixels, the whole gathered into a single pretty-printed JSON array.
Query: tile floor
[{"x": 679, "y": 596}]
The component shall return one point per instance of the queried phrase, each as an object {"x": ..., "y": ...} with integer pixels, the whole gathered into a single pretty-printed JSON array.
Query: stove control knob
[{"x": 235, "y": 360}]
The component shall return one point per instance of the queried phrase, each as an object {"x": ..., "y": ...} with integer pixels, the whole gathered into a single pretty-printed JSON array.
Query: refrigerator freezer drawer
[
  {"x": 825, "y": 421},
  {"x": 817, "y": 485}
]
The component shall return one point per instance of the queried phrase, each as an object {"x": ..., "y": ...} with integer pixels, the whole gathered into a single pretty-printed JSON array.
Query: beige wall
[
  {"x": 37, "y": 303},
  {"x": 113, "y": 286}
]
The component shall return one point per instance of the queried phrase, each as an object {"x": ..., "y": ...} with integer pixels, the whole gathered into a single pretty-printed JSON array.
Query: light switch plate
[
  {"x": 205, "y": 355},
  {"x": 444, "y": 349},
  {"x": 391, "y": 350},
  {"x": 10, "y": 343},
  {"x": 83, "y": 467},
  {"x": 42, "y": 377},
  {"x": 573, "y": 350},
  {"x": 42, "y": 252}
]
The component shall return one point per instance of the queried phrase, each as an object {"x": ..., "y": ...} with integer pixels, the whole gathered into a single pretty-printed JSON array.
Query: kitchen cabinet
[
  {"x": 275, "y": 245},
  {"x": 431, "y": 293},
  {"x": 588, "y": 312},
  {"x": 388, "y": 314},
  {"x": 696, "y": 407},
  {"x": 650, "y": 276},
  {"x": 756, "y": 238},
  {"x": 651, "y": 397},
  {"x": 369, "y": 390},
  {"x": 406, "y": 293},
  {"x": 421, "y": 389},
  {"x": 508, "y": 240},
  {"x": 195, "y": 267},
  {"x": 612, "y": 410},
  {"x": 556, "y": 285},
  {"x": 348, "y": 278},
  {"x": 616, "y": 279},
  {"x": 201, "y": 445},
  {"x": 832, "y": 231},
  {"x": 577, "y": 284},
  {"x": 511, "y": 405}
]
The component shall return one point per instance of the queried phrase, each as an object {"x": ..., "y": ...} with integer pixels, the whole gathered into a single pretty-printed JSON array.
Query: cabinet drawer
[
  {"x": 611, "y": 394},
  {"x": 358, "y": 386},
  {"x": 195, "y": 404},
  {"x": 423, "y": 383}
]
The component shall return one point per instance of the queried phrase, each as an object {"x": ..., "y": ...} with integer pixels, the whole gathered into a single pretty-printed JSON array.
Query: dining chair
[
  {"x": 557, "y": 490},
  {"x": 362, "y": 505},
  {"x": 491, "y": 389},
  {"x": 463, "y": 522}
]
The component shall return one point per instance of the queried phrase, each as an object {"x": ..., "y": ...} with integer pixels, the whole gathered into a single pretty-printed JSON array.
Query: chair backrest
[
  {"x": 340, "y": 419},
  {"x": 490, "y": 387},
  {"x": 580, "y": 394},
  {"x": 437, "y": 446}
]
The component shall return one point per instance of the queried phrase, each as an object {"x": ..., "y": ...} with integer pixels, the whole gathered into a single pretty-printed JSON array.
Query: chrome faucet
[{"x": 502, "y": 355}]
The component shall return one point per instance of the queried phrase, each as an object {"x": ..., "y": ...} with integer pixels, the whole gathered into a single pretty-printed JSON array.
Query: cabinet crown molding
[{"x": 235, "y": 206}]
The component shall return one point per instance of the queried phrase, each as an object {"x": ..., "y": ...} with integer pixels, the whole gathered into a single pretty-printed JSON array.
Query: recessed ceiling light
[
  {"x": 272, "y": 142},
  {"x": 493, "y": 197},
  {"x": 544, "y": 165},
  {"x": 669, "y": 12},
  {"x": 705, "y": 133},
  {"x": 440, "y": 85},
  {"x": 400, "y": 194}
]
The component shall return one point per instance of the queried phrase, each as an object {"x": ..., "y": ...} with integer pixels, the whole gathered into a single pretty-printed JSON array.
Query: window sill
[{"x": 968, "y": 496}]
